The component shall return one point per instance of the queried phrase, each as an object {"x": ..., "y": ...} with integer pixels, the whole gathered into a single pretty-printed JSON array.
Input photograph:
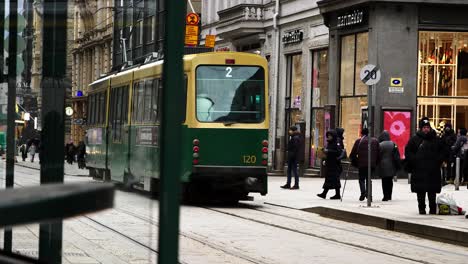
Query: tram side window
[
  {"x": 154, "y": 100},
  {"x": 135, "y": 101},
  {"x": 140, "y": 109},
  {"x": 102, "y": 109},
  {"x": 96, "y": 108},
  {"x": 93, "y": 110},
  {"x": 147, "y": 100}
]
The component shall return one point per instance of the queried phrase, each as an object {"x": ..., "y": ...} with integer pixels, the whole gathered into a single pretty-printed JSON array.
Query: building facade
[
  {"x": 35, "y": 75},
  {"x": 421, "y": 49},
  {"x": 91, "y": 55},
  {"x": 292, "y": 36}
]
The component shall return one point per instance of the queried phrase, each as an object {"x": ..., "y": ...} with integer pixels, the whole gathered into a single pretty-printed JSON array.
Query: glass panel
[
  {"x": 347, "y": 65},
  {"x": 296, "y": 81},
  {"x": 317, "y": 135},
  {"x": 362, "y": 59},
  {"x": 154, "y": 101},
  {"x": 147, "y": 100},
  {"x": 140, "y": 96},
  {"x": 320, "y": 79},
  {"x": 426, "y": 81},
  {"x": 351, "y": 118},
  {"x": 445, "y": 80},
  {"x": 230, "y": 94},
  {"x": 462, "y": 65}
]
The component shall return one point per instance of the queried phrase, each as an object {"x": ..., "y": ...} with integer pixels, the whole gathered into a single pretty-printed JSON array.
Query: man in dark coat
[
  {"x": 294, "y": 149},
  {"x": 332, "y": 178},
  {"x": 425, "y": 153},
  {"x": 448, "y": 139},
  {"x": 359, "y": 154},
  {"x": 459, "y": 150}
]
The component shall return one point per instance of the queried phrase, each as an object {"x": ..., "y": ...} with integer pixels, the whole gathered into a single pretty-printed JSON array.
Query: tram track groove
[
  {"x": 252, "y": 260},
  {"x": 198, "y": 239},
  {"x": 353, "y": 245}
]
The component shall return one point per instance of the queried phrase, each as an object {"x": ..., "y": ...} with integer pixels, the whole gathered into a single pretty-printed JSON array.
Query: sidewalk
[
  {"x": 71, "y": 170},
  {"x": 400, "y": 214}
]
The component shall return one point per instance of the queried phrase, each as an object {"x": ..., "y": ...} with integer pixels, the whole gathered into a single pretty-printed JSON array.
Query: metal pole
[
  {"x": 457, "y": 174},
  {"x": 369, "y": 141},
  {"x": 53, "y": 88},
  {"x": 11, "y": 146},
  {"x": 171, "y": 131}
]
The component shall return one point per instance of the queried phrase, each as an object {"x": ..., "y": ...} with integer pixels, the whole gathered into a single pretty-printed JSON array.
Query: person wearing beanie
[
  {"x": 448, "y": 139},
  {"x": 459, "y": 149},
  {"x": 360, "y": 158},
  {"x": 424, "y": 154},
  {"x": 294, "y": 153}
]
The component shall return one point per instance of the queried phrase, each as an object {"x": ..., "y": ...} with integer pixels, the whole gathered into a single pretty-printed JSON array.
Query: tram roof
[{"x": 160, "y": 62}]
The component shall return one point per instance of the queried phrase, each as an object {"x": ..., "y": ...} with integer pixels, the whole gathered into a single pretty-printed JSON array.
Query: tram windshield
[{"x": 227, "y": 94}]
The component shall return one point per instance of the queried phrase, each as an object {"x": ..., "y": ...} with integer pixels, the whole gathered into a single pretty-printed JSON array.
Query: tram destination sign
[{"x": 352, "y": 18}]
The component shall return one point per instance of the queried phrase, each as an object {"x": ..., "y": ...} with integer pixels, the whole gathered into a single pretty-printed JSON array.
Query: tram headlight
[
  {"x": 265, "y": 150},
  {"x": 265, "y": 156},
  {"x": 195, "y": 155},
  {"x": 196, "y": 142},
  {"x": 265, "y": 143},
  {"x": 196, "y": 149}
]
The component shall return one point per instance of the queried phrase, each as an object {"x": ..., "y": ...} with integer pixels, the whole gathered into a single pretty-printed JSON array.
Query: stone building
[
  {"x": 91, "y": 54},
  {"x": 36, "y": 58}
]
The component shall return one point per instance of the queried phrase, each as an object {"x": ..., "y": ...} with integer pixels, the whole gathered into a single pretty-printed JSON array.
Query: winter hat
[{"x": 424, "y": 122}]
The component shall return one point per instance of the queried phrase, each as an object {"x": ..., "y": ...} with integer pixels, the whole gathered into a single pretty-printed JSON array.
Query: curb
[
  {"x": 425, "y": 231},
  {"x": 33, "y": 168}
]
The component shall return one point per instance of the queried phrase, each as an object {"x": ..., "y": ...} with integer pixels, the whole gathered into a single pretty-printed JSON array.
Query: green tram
[{"x": 225, "y": 129}]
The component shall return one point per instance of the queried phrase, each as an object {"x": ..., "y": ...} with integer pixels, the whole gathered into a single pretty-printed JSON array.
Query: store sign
[
  {"x": 355, "y": 17},
  {"x": 294, "y": 36}
]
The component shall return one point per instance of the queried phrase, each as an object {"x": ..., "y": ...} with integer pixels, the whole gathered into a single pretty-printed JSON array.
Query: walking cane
[{"x": 346, "y": 178}]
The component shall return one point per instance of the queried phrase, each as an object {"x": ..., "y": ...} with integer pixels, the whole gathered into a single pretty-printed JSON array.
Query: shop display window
[
  {"x": 443, "y": 77},
  {"x": 354, "y": 56},
  {"x": 351, "y": 109},
  {"x": 319, "y": 99}
]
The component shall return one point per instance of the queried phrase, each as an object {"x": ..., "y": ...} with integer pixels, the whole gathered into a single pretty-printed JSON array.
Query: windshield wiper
[{"x": 229, "y": 123}]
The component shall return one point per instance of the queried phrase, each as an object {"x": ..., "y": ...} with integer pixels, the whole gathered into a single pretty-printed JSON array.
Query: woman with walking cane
[{"x": 332, "y": 166}]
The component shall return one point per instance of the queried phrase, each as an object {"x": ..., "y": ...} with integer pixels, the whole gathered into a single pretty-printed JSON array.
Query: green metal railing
[{"x": 53, "y": 89}]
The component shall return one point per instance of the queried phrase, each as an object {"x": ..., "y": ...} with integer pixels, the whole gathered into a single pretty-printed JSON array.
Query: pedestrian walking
[
  {"x": 340, "y": 142},
  {"x": 294, "y": 146},
  {"x": 448, "y": 139},
  {"x": 32, "y": 151},
  {"x": 360, "y": 156},
  {"x": 332, "y": 166},
  {"x": 70, "y": 152},
  {"x": 459, "y": 148},
  {"x": 24, "y": 152},
  {"x": 81, "y": 152},
  {"x": 424, "y": 154},
  {"x": 389, "y": 164}
]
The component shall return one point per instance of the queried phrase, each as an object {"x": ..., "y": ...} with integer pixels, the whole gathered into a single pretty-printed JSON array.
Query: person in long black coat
[
  {"x": 332, "y": 166},
  {"x": 425, "y": 153}
]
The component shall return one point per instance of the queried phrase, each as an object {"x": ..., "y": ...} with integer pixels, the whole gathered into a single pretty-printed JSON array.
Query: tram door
[{"x": 118, "y": 133}]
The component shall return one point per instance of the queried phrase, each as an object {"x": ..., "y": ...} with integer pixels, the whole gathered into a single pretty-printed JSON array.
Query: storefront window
[
  {"x": 348, "y": 45},
  {"x": 295, "y": 86},
  {"x": 354, "y": 56},
  {"x": 319, "y": 99},
  {"x": 351, "y": 109},
  {"x": 443, "y": 77},
  {"x": 362, "y": 59}
]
